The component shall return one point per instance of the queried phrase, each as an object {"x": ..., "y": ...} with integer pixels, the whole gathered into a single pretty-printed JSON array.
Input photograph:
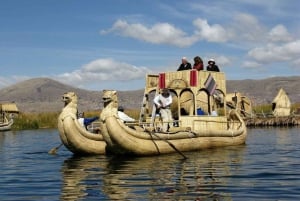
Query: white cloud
[
  {"x": 273, "y": 53},
  {"x": 279, "y": 34},
  {"x": 165, "y": 33},
  {"x": 244, "y": 27},
  {"x": 160, "y": 33},
  {"x": 221, "y": 60},
  {"x": 251, "y": 64},
  {"x": 104, "y": 70},
  {"x": 211, "y": 33}
]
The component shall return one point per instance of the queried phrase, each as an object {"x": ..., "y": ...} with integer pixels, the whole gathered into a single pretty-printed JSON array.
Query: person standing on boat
[
  {"x": 123, "y": 116},
  {"x": 163, "y": 103},
  {"x": 185, "y": 65},
  {"x": 212, "y": 66},
  {"x": 198, "y": 63}
]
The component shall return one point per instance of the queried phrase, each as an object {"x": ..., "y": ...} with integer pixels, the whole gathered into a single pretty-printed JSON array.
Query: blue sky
[{"x": 112, "y": 44}]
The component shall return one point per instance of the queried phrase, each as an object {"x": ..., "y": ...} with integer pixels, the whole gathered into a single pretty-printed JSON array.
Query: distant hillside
[{"x": 44, "y": 94}]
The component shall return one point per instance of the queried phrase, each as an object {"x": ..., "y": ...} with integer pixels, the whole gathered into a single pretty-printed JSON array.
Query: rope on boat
[
  {"x": 171, "y": 145},
  {"x": 154, "y": 142}
]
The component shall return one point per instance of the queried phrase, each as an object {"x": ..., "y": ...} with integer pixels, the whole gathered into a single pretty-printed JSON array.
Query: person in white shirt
[
  {"x": 124, "y": 117},
  {"x": 163, "y": 103}
]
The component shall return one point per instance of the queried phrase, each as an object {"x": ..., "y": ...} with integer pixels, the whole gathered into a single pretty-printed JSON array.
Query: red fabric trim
[
  {"x": 162, "y": 80},
  {"x": 193, "y": 78}
]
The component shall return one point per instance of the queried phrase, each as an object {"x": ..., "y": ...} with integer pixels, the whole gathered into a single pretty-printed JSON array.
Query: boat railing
[{"x": 94, "y": 127}]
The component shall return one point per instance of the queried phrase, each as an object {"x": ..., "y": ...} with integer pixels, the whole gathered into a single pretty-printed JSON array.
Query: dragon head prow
[
  {"x": 109, "y": 97},
  {"x": 70, "y": 102},
  {"x": 110, "y": 103}
]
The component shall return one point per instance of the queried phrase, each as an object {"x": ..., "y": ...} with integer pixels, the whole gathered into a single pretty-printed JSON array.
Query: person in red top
[{"x": 198, "y": 63}]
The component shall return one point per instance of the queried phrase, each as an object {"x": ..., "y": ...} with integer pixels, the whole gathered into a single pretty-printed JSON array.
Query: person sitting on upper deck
[
  {"x": 212, "y": 66},
  {"x": 198, "y": 63},
  {"x": 185, "y": 65}
]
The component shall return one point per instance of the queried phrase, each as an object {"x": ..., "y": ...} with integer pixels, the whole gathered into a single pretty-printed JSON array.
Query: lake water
[{"x": 266, "y": 168}]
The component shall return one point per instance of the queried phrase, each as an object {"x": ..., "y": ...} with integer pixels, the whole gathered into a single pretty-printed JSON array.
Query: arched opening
[
  {"x": 186, "y": 104},
  {"x": 202, "y": 102}
]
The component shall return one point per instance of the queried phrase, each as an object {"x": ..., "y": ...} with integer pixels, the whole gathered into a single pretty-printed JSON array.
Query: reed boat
[
  {"x": 6, "y": 125},
  {"x": 191, "y": 90},
  {"x": 74, "y": 136},
  {"x": 7, "y": 111}
]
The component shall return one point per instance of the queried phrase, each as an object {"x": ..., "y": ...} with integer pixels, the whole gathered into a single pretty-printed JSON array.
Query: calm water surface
[{"x": 266, "y": 168}]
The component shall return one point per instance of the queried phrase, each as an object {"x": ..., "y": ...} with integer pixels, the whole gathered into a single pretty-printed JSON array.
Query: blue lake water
[{"x": 266, "y": 168}]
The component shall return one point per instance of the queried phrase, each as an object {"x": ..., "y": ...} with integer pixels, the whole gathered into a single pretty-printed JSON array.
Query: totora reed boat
[
  {"x": 191, "y": 90},
  {"x": 7, "y": 114},
  {"x": 74, "y": 136}
]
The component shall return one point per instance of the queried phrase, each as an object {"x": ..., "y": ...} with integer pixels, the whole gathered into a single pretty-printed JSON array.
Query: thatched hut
[
  {"x": 281, "y": 105},
  {"x": 9, "y": 108},
  {"x": 5, "y": 110}
]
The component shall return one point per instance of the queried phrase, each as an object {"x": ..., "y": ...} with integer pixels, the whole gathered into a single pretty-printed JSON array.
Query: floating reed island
[
  {"x": 292, "y": 120},
  {"x": 281, "y": 113}
]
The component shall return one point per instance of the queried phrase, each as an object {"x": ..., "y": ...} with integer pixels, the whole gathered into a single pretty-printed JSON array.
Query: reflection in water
[
  {"x": 283, "y": 136},
  {"x": 79, "y": 174},
  {"x": 203, "y": 175}
]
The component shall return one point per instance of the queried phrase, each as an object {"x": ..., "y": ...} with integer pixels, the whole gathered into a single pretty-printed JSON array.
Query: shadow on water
[{"x": 204, "y": 175}]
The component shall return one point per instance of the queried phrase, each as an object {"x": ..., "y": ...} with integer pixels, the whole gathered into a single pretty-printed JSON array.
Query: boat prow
[{"x": 75, "y": 137}]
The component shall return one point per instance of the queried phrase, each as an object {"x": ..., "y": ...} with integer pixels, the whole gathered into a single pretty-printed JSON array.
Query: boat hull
[
  {"x": 77, "y": 139},
  {"x": 124, "y": 140},
  {"x": 7, "y": 125}
]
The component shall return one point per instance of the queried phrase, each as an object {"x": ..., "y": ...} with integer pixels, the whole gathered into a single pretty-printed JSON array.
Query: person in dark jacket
[
  {"x": 185, "y": 65},
  {"x": 212, "y": 66}
]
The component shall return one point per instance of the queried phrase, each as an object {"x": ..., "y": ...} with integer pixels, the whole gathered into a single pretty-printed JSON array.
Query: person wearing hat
[
  {"x": 163, "y": 103},
  {"x": 185, "y": 65},
  {"x": 212, "y": 66},
  {"x": 123, "y": 116}
]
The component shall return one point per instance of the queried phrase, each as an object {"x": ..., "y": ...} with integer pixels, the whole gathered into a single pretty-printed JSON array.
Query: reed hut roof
[
  {"x": 281, "y": 105},
  {"x": 9, "y": 107},
  {"x": 282, "y": 99}
]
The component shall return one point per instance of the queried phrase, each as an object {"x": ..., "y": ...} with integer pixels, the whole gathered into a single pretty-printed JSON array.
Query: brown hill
[{"x": 44, "y": 94}]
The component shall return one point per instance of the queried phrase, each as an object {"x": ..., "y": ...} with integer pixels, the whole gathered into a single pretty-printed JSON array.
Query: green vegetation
[
  {"x": 134, "y": 113},
  {"x": 25, "y": 121},
  {"x": 265, "y": 109}
]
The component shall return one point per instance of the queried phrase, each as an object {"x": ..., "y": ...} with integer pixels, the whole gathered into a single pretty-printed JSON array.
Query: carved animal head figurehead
[
  {"x": 110, "y": 101},
  {"x": 109, "y": 97},
  {"x": 69, "y": 97}
]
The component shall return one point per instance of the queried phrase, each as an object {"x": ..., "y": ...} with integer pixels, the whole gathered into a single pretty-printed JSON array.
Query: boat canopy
[{"x": 9, "y": 107}]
